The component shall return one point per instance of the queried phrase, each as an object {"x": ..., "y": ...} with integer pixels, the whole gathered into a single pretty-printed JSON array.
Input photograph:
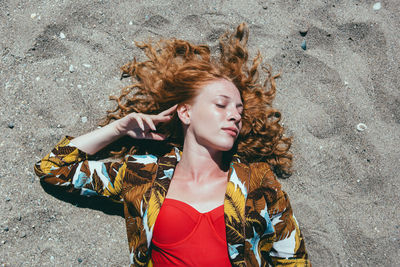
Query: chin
[
  {"x": 224, "y": 146},
  {"x": 224, "y": 149},
  {"x": 218, "y": 144}
]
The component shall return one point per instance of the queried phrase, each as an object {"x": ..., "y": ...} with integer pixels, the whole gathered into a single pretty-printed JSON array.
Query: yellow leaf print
[
  {"x": 73, "y": 156},
  {"x": 117, "y": 183},
  {"x": 154, "y": 207},
  {"x": 64, "y": 142},
  {"x": 234, "y": 203},
  {"x": 46, "y": 165}
]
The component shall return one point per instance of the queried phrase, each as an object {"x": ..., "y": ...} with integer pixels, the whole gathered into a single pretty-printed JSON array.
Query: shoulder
[
  {"x": 261, "y": 175},
  {"x": 257, "y": 170}
]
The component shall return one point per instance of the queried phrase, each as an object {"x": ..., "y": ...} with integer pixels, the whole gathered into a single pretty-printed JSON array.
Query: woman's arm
[
  {"x": 96, "y": 140},
  {"x": 67, "y": 165}
]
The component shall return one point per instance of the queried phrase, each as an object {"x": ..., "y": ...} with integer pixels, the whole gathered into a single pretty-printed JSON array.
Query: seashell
[
  {"x": 377, "y": 6},
  {"x": 361, "y": 127}
]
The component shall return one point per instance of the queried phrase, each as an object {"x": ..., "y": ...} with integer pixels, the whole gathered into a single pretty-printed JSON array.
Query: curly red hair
[{"x": 174, "y": 72}]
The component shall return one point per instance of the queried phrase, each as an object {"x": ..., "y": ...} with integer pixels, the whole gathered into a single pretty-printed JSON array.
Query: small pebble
[
  {"x": 303, "y": 31},
  {"x": 10, "y": 125},
  {"x": 62, "y": 35},
  {"x": 79, "y": 86},
  {"x": 8, "y": 199},
  {"x": 130, "y": 22},
  {"x": 361, "y": 127},
  {"x": 265, "y": 5},
  {"x": 71, "y": 68},
  {"x": 19, "y": 218},
  {"x": 358, "y": 180},
  {"x": 52, "y": 258},
  {"x": 79, "y": 260},
  {"x": 6, "y": 229},
  {"x": 22, "y": 235},
  {"x": 3, "y": 242},
  {"x": 346, "y": 83},
  {"x": 33, "y": 15},
  {"x": 304, "y": 45},
  {"x": 84, "y": 119},
  {"x": 87, "y": 65},
  {"x": 377, "y": 6},
  {"x": 37, "y": 78}
]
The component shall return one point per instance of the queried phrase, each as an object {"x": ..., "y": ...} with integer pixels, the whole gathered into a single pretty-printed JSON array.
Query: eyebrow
[{"x": 228, "y": 97}]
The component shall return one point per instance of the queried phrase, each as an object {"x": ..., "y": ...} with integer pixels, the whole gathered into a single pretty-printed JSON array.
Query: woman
[{"x": 213, "y": 200}]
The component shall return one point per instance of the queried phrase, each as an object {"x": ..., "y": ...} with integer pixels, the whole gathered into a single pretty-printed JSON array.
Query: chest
[{"x": 203, "y": 196}]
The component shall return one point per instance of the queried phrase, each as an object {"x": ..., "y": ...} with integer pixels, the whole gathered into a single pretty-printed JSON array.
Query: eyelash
[{"x": 223, "y": 106}]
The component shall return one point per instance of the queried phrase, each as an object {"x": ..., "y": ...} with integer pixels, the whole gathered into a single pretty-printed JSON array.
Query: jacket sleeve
[
  {"x": 68, "y": 167},
  {"x": 288, "y": 248}
]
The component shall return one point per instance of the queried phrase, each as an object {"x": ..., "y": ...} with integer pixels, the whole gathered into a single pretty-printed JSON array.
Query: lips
[{"x": 231, "y": 131}]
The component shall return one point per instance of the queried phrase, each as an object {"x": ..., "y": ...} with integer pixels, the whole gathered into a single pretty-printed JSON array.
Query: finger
[
  {"x": 140, "y": 122},
  {"x": 150, "y": 123},
  {"x": 168, "y": 111},
  {"x": 154, "y": 136},
  {"x": 157, "y": 118},
  {"x": 157, "y": 136}
]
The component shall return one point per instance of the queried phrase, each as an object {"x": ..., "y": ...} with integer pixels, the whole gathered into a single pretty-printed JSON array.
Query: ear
[{"x": 183, "y": 111}]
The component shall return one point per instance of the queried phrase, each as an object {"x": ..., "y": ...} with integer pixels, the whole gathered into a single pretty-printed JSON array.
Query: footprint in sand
[{"x": 48, "y": 43}]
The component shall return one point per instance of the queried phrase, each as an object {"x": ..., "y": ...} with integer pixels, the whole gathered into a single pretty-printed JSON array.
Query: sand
[{"x": 60, "y": 61}]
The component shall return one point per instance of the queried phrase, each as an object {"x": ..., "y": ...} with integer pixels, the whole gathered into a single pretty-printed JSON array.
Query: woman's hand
[
  {"x": 143, "y": 126},
  {"x": 135, "y": 125}
]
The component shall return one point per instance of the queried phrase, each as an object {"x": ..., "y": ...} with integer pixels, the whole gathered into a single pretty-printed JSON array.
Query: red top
[{"x": 183, "y": 236}]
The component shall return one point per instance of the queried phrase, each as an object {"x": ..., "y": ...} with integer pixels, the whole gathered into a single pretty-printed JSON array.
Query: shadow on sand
[{"x": 99, "y": 203}]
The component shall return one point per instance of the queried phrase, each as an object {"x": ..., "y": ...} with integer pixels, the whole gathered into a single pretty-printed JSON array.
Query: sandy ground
[{"x": 345, "y": 191}]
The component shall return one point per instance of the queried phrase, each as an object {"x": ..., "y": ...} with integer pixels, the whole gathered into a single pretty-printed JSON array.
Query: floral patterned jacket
[{"x": 260, "y": 227}]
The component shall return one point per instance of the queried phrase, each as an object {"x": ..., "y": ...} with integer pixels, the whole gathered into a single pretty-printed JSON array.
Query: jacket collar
[{"x": 234, "y": 202}]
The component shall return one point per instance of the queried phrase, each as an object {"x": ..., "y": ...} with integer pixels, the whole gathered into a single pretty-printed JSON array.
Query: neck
[{"x": 199, "y": 163}]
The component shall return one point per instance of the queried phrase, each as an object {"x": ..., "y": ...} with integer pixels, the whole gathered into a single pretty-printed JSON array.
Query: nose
[{"x": 234, "y": 115}]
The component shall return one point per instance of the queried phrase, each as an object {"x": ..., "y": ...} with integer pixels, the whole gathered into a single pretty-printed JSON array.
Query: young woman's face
[{"x": 215, "y": 116}]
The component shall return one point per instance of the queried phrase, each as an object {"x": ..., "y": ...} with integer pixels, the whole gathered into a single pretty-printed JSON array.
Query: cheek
[{"x": 209, "y": 117}]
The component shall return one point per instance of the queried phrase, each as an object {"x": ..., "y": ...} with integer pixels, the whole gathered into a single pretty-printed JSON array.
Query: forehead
[{"x": 219, "y": 88}]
